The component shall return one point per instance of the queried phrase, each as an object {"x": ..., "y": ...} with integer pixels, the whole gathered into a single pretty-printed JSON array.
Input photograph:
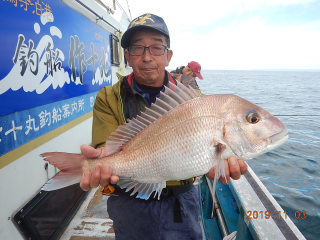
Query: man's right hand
[{"x": 101, "y": 174}]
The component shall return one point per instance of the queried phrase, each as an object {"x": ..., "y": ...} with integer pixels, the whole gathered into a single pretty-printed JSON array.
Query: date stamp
[{"x": 267, "y": 215}]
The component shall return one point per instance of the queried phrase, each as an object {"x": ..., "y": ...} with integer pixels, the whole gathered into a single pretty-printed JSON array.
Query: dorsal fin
[
  {"x": 153, "y": 113},
  {"x": 166, "y": 98},
  {"x": 184, "y": 93},
  {"x": 197, "y": 94},
  {"x": 145, "y": 121},
  {"x": 134, "y": 124},
  {"x": 159, "y": 102},
  {"x": 158, "y": 109},
  {"x": 172, "y": 97},
  {"x": 148, "y": 117},
  {"x": 192, "y": 93}
]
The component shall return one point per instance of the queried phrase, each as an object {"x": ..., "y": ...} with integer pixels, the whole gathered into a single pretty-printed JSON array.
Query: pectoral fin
[{"x": 220, "y": 171}]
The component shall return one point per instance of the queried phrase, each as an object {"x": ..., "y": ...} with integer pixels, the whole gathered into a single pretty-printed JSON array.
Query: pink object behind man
[{"x": 196, "y": 68}]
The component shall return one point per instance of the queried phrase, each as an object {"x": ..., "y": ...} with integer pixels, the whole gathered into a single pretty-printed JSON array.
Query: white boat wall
[{"x": 55, "y": 57}]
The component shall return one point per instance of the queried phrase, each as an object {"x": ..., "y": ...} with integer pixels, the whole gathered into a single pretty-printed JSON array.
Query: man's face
[
  {"x": 187, "y": 71},
  {"x": 149, "y": 69}
]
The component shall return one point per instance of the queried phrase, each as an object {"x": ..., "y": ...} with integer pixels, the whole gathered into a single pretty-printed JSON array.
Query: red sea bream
[{"x": 182, "y": 135}]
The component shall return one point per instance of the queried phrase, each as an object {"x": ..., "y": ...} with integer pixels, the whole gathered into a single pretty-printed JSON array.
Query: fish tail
[{"x": 70, "y": 166}]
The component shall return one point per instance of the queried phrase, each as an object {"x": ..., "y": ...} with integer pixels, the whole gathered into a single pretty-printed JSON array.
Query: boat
[
  {"x": 56, "y": 56},
  {"x": 245, "y": 210}
]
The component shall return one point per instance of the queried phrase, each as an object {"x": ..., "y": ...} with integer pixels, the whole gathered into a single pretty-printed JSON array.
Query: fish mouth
[
  {"x": 274, "y": 141},
  {"x": 279, "y": 135},
  {"x": 278, "y": 139}
]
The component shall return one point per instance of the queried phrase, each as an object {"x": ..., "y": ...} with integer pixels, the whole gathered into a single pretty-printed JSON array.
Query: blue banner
[
  {"x": 49, "y": 53},
  {"x": 19, "y": 128}
]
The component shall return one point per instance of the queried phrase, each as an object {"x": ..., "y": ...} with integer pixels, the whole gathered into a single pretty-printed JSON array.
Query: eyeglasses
[{"x": 155, "y": 50}]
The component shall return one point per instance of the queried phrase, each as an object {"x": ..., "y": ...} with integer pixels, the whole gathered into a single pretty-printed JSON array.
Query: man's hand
[
  {"x": 234, "y": 168},
  {"x": 101, "y": 174}
]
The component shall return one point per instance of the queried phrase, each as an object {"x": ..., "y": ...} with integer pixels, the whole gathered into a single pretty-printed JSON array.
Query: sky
[{"x": 239, "y": 34}]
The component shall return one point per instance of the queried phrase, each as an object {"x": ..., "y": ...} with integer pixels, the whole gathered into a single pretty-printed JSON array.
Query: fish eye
[{"x": 253, "y": 118}]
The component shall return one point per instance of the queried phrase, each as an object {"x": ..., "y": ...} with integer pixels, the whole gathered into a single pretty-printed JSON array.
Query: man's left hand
[{"x": 234, "y": 168}]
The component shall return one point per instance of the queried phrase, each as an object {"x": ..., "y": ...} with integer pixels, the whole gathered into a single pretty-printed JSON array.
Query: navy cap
[{"x": 147, "y": 20}]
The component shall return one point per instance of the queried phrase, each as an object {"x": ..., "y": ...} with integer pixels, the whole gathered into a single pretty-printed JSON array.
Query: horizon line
[{"x": 265, "y": 69}]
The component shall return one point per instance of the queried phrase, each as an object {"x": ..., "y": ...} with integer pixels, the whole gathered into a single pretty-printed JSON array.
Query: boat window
[
  {"x": 47, "y": 214},
  {"x": 114, "y": 50}
]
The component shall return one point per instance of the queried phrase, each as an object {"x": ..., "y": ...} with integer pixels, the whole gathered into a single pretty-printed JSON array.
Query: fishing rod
[
  {"x": 217, "y": 209},
  {"x": 296, "y": 115}
]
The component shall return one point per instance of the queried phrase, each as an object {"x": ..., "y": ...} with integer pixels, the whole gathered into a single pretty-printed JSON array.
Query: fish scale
[
  {"x": 169, "y": 157},
  {"x": 197, "y": 134}
]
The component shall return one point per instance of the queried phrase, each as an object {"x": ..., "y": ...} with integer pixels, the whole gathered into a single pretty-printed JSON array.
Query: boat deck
[{"x": 91, "y": 221}]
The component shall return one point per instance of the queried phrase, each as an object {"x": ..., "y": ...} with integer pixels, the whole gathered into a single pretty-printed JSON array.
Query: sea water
[{"x": 291, "y": 172}]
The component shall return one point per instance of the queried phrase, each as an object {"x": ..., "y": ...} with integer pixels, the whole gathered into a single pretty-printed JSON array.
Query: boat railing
[{"x": 245, "y": 206}]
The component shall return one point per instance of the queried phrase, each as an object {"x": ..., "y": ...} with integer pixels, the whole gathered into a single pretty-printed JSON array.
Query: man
[
  {"x": 192, "y": 69},
  {"x": 187, "y": 74},
  {"x": 146, "y": 43}
]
